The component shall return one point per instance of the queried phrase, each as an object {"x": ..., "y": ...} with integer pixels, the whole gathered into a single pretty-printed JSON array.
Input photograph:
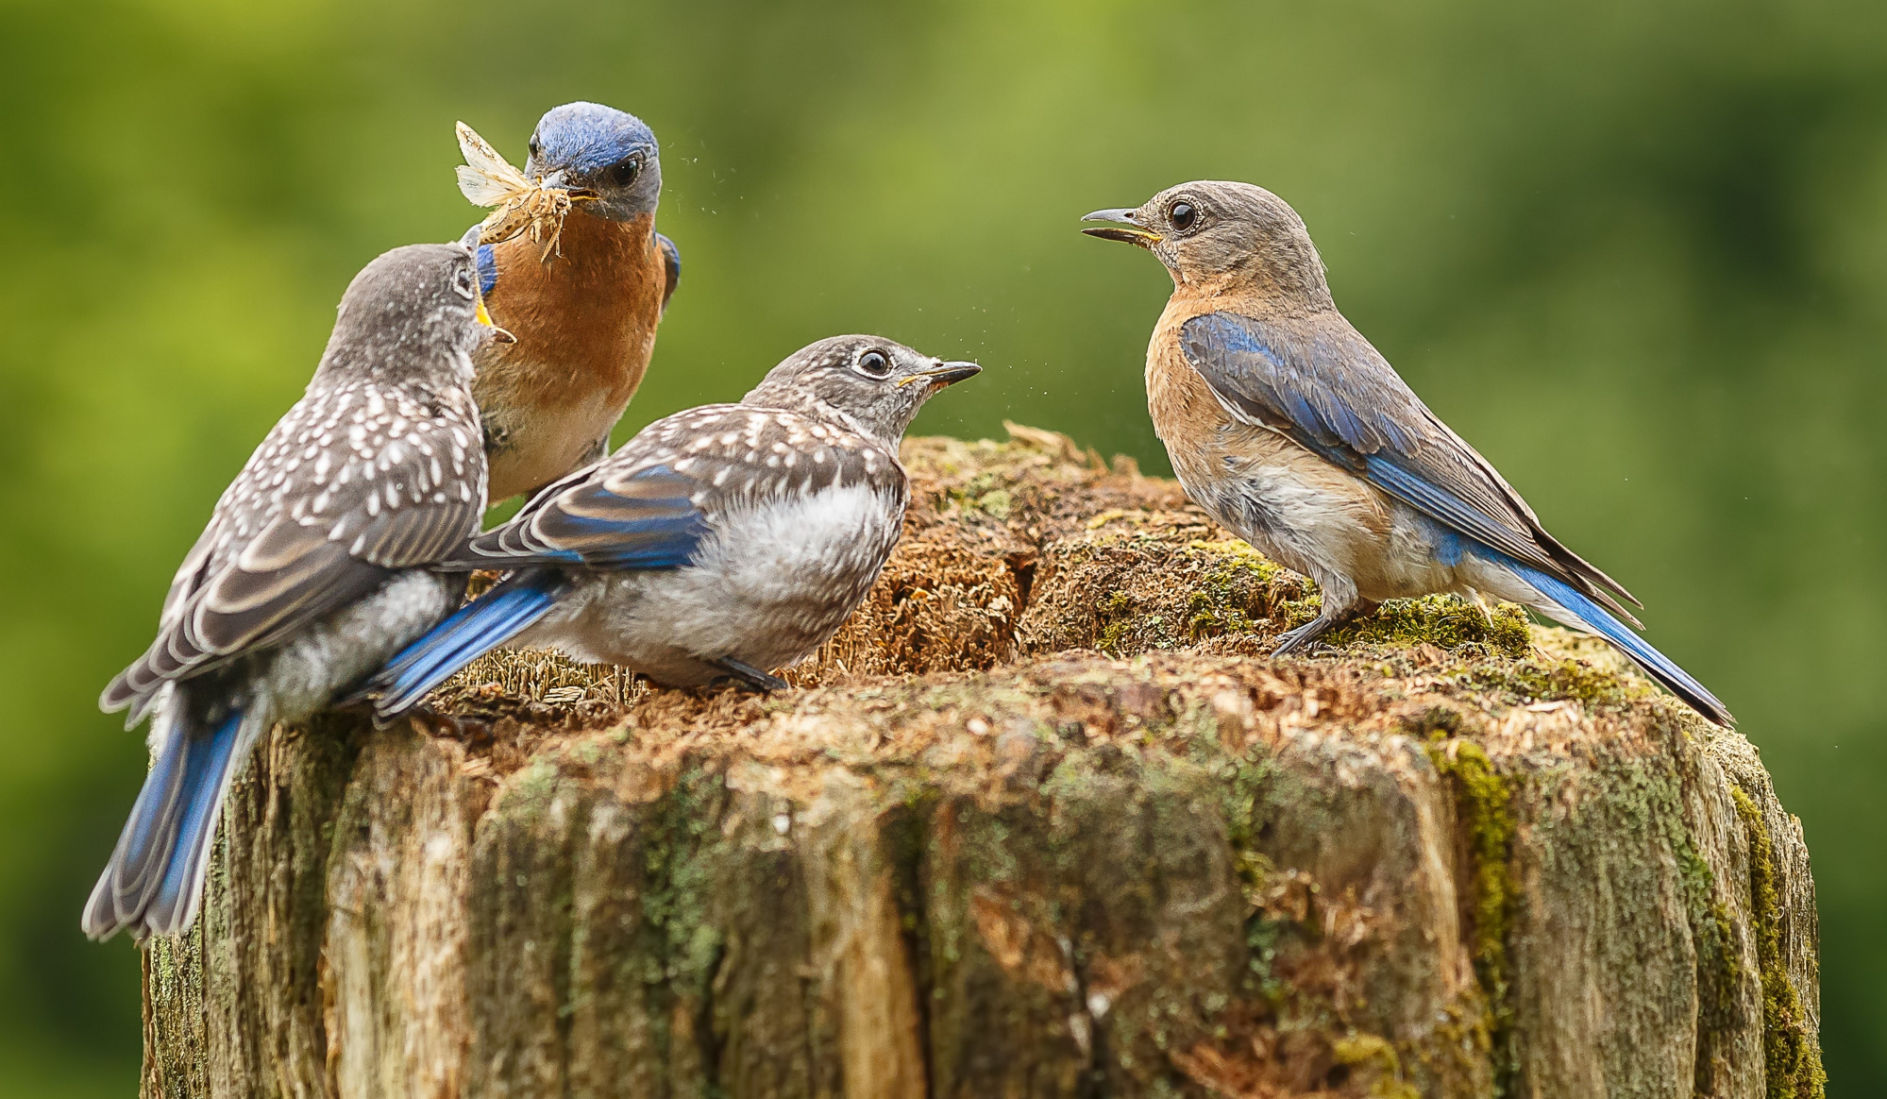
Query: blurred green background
[{"x": 1636, "y": 252}]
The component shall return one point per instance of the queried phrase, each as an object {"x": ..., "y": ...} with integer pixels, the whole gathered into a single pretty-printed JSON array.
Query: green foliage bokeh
[{"x": 1636, "y": 253}]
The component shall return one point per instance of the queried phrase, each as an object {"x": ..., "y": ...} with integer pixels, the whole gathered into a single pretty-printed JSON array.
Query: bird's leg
[
  {"x": 749, "y": 676},
  {"x": 1339, "y": 607},
  {"x": 1310, "y": 631},
  {"x": 438, "y": 724}
]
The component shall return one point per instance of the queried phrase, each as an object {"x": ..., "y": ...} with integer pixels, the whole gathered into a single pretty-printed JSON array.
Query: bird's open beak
[
  {"x": 498, "y": 335},
  {"x": 945, "y": 374},
  {"x": 559, "y": 180},
  {"x": 1125, "y": 229}
]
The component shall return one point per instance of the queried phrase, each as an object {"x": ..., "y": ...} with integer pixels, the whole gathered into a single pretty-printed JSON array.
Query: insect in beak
[{"x": 537, "y": 206}]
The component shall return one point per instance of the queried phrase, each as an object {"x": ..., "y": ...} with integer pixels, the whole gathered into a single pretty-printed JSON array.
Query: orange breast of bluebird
[
  {"x": 1185, "y": 414},
  {"x": 585, "y": 326}
]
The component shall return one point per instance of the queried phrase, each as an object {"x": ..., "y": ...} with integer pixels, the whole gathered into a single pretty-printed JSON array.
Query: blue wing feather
[
  {"x": 1438, "y": 503},
  {"x": 154, "y": 880},
  {"x": 487, "y": 268},
  {"x": 671, "y": 267},
  {"x": 206, "y": 776},
  {"x": 1334, "y": 395},
  {"x": 1594, "y": 617},
  {"x": 645, "y": 520},
  {"x": 474, "y": 630}
]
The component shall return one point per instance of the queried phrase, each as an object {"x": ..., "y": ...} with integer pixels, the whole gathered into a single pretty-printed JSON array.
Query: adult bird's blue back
[
  {"x": 1284, "y": 423},
  {"x": 312, "y": 569},
  {"x": 584, "y": 312}
]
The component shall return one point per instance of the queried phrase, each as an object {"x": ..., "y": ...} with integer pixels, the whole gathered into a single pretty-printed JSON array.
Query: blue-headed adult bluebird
[
  {"x": 309, "y": 574},
  {"x": 721, "y": 542},
  {"x": 584, "y": 305},
  {"x": 1291, "y": 430}
]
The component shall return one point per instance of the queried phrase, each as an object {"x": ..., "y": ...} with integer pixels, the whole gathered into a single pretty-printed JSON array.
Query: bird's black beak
[
  {"x": 1126, "y": 227},
  {"x": 559, "y": 180},
  {"x": 944, "y": 374}
]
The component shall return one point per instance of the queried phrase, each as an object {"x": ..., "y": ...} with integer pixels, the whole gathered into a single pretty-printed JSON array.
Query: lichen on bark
[
  {"x": 1791, "y": 1056},
  {"x": 1044, "y": 819}
]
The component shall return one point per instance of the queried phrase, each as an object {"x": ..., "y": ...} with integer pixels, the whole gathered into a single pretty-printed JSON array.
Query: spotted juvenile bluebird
[
  {"x": 305, "y": 579},
  {"x": 720, "y": 542},
  {"x": 1290, "y": 429},
  {"x": 585, "y": 311}
]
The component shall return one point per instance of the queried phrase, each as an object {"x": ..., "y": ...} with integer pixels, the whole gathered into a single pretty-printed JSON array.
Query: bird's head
[
  {"x": 410, "y": 313},
  {"x": 603, "y": 157},
  {"x": 1218, "y": 234},
  {"x": 873, "y": 385}
]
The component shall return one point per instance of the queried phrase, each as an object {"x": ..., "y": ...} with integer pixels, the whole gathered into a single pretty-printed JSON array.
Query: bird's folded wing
[
  {"x": 649, "y": 505},
  {"x": 1327, "y": 389},
  {"x": 606, "y": 517},
  {"x": 671, "y": 267},
  {"x": 247, "y": 594}
]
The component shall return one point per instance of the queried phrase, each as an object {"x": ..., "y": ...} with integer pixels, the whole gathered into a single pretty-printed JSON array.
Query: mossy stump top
[{"x": 1044, "y": 820}]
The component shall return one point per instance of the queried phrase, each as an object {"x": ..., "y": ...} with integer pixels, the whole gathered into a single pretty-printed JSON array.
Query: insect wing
[{"x": 486, "y": 179}]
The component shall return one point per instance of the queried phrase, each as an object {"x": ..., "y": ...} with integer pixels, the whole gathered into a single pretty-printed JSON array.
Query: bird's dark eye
[
  {"x": 535, "y": 146},
  {"x": 1183, "y": 216},
  {"x": 623, "y": 172},
  {"x": 874, "y": 364}
]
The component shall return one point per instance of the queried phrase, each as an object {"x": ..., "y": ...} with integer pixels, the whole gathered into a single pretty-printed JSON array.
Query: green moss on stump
[
  {"x": 1712, "y": 928},
  {"x": 1444, "y": 620},
  {"x": 1246, "y": 592},
  {"x": 1374, "y": 1052},
  {"x": 984, "y": 493},
  {"x": 1484, "y": 802},
  {"x": 1019, "y": 866},
  {"x": 1791, "y": 1056},
  {"x": 1243, "y": 591}
]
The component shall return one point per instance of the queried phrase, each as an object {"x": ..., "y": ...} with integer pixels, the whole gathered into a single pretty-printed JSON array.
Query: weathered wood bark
[{"x": 1044, "y": 821}]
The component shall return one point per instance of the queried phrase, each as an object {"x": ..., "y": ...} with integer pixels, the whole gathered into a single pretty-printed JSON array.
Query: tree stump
[{"x": 1044, "y": 820}]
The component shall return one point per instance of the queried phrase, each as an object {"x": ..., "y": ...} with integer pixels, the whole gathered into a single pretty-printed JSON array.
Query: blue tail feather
[
  {"x": 477, "y": 628},
  {"x": 1660, "y": 667},
  {"x": 154, "y": 882}
]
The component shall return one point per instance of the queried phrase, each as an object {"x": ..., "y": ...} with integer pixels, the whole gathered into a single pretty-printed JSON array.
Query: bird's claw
[
  {"x": 750, "y": 677},
  {"x": 1301, "y": 637},
  {"x": 439, "y": 725}
]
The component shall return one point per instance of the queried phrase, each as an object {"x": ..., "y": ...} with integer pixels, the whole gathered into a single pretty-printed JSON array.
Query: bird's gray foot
[
  {"x": 1296, "y": 639},
  {"x": 1320, "y": 625},
  {"x": 438, "y": 724},
  {"x": 749, "y": 676}
]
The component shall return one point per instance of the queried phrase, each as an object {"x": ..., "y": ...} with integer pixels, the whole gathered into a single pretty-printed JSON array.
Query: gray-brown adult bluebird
[
  {"x": 585, "y": 311},
  {"x": 310, "y": 572},
  {"x": 720, "y": 542},
  {"x": 1289, "y": 428}
]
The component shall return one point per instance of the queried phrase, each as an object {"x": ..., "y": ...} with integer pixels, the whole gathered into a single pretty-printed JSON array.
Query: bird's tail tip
[
  {"x": 1685, "y": 686},
  {"x": 153, "y": 883},
  {"x": 1564, "y": 602}
]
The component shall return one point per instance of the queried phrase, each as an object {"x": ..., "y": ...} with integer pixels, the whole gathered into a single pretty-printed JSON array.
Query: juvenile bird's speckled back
[
  {"x": 720, "y": 542},
  {"x": 311, "y": 571}
]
